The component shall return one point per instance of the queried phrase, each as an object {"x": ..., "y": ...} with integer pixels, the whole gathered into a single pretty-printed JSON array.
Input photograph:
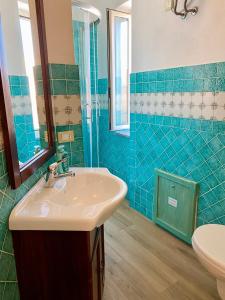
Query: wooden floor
[{"x": 145, "y": 262}]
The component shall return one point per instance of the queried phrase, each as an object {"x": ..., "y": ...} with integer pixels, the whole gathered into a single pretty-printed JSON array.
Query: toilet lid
[{"x": 210, "y": 240}]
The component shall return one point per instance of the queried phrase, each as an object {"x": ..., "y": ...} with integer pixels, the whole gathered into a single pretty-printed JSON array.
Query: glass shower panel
[{"x": 85, "y": 45}]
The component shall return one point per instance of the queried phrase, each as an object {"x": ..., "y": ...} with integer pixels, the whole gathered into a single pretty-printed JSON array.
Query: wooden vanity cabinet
[{"x": 60, "y": 265}]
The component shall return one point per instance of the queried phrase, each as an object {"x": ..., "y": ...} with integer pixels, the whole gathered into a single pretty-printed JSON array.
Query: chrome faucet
[{"x": 52, "y": 173}]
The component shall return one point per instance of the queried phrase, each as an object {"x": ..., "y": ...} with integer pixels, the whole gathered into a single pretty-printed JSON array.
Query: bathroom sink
[{"x": 78, "y": 203}]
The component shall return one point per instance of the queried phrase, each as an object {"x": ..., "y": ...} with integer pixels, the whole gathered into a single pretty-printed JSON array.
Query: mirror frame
[{"x": 17, "y": 175}]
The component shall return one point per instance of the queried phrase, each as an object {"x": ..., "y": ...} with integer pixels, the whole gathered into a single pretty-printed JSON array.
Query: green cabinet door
[{"x": 175, "y": 204}]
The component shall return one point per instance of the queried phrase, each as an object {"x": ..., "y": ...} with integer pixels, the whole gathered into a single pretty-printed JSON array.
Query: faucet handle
[{"x": 53, "y": 167}]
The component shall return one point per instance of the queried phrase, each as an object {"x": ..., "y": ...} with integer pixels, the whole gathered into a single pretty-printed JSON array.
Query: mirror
[{"x": 26, "y": 91}]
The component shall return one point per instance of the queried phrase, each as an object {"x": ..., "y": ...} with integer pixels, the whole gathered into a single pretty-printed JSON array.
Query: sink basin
[{"x": 78, "y": 203}]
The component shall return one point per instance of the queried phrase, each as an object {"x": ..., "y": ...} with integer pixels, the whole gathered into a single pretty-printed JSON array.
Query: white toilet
[{"x": 208, "y": 242}]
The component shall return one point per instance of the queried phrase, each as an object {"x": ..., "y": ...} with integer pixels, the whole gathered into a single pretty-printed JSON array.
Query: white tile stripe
[{"x": 208, "y": 106}]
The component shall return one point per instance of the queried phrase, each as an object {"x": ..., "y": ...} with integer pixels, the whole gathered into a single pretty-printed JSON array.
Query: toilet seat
[{"x": 209, "y": 243}]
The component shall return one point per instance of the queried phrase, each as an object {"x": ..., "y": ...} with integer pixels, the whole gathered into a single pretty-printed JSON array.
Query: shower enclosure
[{"x": 85, "y": 23}]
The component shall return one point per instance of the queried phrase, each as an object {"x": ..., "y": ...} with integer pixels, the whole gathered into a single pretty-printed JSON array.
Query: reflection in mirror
[{"x": 25, "y": 78}]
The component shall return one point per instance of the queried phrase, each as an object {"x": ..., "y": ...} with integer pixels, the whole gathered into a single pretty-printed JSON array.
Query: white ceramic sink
[{"x": 74, "y": 203}]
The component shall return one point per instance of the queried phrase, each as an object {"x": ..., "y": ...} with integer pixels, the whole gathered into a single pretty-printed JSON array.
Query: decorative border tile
[
  {"x": 21, "y": 105},
  {"x": 66, "y": 110},
  {"x": 205, "y": 106}
]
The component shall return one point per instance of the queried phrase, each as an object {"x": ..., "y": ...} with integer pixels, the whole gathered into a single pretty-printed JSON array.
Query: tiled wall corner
[
  {"x": 66, "y": 103},
  {"x": 65, "y": 90},
  {"x": 177, "y": 124}
]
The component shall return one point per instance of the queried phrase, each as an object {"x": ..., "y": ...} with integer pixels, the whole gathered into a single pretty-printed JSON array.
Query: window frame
[{"x": 111, "y": 14}]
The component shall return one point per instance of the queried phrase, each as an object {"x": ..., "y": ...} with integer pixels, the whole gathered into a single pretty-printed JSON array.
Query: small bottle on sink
[
  {"x": 59, "y": 157},
  {"x": 65, "y": 163}
]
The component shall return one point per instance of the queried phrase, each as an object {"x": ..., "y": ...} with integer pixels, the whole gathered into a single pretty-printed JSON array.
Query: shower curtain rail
[{"x": 87, "y": 7}]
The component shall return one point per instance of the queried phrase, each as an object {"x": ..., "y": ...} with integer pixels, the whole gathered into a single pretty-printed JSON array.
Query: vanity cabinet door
[
  {"x": 95, "y": 277},
  {"x": 60, "y": 265},
  {"x": 98, "y": 264},
  {"x": 102, "y": 260}
]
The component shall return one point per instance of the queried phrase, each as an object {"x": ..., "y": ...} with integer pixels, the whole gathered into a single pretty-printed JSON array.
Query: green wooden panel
[{"x": 175, "y": 204}]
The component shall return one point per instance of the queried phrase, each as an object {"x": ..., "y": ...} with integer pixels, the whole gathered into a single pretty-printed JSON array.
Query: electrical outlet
[
  {"x": 66, "y": 136},
  {"x": 169, "y": 4}
]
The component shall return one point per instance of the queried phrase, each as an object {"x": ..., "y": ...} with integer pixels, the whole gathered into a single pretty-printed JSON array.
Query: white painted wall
[
  {"x": 12, "y": 37},
  {"x": 162, "y": 40},
  {"x": 59, "y": 32},
  {"x": 126, "y": 7}
]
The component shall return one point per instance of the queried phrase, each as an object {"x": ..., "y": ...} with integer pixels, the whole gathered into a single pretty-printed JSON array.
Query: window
[
  {"x": 119, "y": 29},
  {"x": 26, "y": 32}
]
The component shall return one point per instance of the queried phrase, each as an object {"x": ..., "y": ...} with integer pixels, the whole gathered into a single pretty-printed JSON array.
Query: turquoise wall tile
[
  {"x": 198, "y": 85},
  {"x": 72, "y": 72},
  {"x": 210, "y": 85},
  {"x": 38, "y": 72},
  {"x": 145, "y": 77},
  {"x": 152, "y": 75},
  {"x": 187, "y": 73},
  {"x": 133, "y": 78},
  {"x": 25, "y": 90},
  {"x": 58, "y": 75},
  {"x": 25, "y": 137},
  {"x": 221, "y": 69},
  {"x": 199, "y": 72},
  {"x": 188, "y": 85},
  {"x": 24, "y": 80},
  {"x": 64, "y": 79},
  {"x": 211, "y": 70},
  {"x": 160, "y": 86},
  {"x": 161, "y": 75},
  {"x": 19, "y": 85},
  {"x": 14, "y": 80},
  {"x": 169, "y": 74},
  {"x": 73, "y": 87},
  {"x": 187, "y": 147},
  {"x": 58, "y": 71},
  {"x": 139, "y": 77},
  {"x": 59, "y": 87},
  {"x": 15, "y": 90},
  {"x": 39, "y": 87},
  {"x": 208, "y": 78},
  {"x": 220, "y": 84}
]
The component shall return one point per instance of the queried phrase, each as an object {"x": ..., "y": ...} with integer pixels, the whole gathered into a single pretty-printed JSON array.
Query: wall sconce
[{"x": 185, "y": 11}]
